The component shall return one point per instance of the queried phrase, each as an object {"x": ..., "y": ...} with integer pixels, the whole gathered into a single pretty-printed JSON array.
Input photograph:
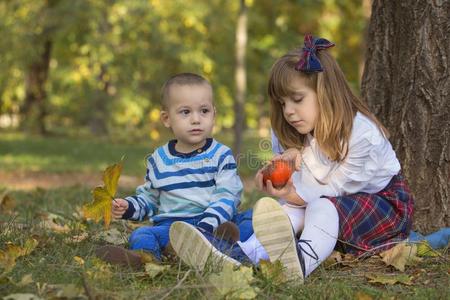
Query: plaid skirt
[{"x": 372, "y": 223}]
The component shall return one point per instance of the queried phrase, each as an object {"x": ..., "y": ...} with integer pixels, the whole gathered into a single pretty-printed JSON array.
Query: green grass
[
  {"x": 19, "y": 152},
  {"x": 53, "y": 263}
]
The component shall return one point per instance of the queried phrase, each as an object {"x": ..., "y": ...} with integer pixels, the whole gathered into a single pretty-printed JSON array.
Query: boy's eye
[
  {"x": 184, "y": 111},
  {"x": 205, "y": 110}
]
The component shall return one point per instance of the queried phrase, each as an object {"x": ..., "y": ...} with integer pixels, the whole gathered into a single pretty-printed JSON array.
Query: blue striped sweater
[{"x": 203, "y": 183}]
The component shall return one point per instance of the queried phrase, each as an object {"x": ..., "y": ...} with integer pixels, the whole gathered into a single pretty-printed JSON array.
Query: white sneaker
[
  {"x": 274, "y": 231},
  {"x": 195, "y": 249}
]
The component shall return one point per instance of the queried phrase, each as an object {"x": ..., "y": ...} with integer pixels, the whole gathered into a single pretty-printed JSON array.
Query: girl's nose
[{"x": 288, "y": 109}]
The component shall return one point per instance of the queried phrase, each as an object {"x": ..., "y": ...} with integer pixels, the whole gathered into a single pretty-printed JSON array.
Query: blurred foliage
[{"x": 109, "y": 58}]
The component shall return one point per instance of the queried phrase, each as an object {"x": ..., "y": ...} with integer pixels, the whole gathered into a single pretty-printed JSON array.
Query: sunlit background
[{"x": 74, "y": 72}]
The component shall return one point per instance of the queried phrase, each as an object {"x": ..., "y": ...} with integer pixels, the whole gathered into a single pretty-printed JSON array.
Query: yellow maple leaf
[
  {"x": 101, "y": 205},
  {"x": 9, "y": 255}
]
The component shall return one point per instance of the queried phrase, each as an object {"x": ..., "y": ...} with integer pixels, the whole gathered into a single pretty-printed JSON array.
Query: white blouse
[{"x": 369, "y": 166}]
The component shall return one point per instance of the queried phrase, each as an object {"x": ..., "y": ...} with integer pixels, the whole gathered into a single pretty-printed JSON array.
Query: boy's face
[{"x": 190, "y": 114}]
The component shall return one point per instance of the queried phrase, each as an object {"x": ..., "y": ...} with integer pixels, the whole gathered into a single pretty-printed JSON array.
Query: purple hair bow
[{"x": 309, "y": 62}]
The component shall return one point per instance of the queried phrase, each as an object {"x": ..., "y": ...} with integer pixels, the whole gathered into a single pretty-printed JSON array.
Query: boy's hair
[
  {"x": 338, "y": 105},
  {"x": 180, "y": 79}
]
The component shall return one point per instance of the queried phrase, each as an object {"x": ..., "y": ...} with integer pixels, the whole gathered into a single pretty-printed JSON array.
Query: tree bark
[
  {"x": 34, "y": 108},
  {"x": 406, "y": 82},
  {"x": 240, "y": 78}
]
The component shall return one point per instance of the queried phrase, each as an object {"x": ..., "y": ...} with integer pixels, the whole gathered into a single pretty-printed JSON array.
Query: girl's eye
[{"x": 298, "y": 100}]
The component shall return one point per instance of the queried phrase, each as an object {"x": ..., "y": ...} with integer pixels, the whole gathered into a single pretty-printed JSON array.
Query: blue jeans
[{"x": 155, "y": 238}]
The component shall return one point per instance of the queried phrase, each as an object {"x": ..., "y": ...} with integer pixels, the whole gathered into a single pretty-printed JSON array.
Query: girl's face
[{"x": 301, "y": 109}]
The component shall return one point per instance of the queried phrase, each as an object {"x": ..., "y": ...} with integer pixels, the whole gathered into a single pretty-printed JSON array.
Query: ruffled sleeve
[{"x": 276, "y": 147}]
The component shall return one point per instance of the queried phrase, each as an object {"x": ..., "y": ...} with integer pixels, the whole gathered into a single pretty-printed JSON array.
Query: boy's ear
[{"x": 164, "y": 116}]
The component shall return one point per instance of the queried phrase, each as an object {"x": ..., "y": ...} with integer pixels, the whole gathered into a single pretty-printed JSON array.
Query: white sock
[
  {"x": 296, "y": 215},
  {"x": 253, "y": 248},
  {"x": 321, "y": 228}
]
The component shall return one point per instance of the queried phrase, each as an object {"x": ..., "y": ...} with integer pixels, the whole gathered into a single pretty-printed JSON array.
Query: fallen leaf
[
  {"x": 63, "y": 291},
  {"x": 400, "y": 255},
  {"x": 111, "y": 236},
  {"x": 362, "y": 296},
  {"x": 334, "y": 259},
  {"x": 273, "y": 271},
  {"x": 7, "y": 204},
  {"x": 390, "y": 279},
  {"x": 26, "y": 280},
  {"x": 234, "y": 284},
  {"x": 101, "y": 205},
  {"x": 100, "y": 270},
  {"x": 78, "y": 260},
  {"x": 424, "y": 249},
  {"x": 152, "y": 269},
  {"x": 12, "y": 252},
  {"x": 76, "y": 238}
]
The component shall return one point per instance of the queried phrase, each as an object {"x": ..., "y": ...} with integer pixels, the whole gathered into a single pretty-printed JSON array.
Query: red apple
[{"x": 278, "y": 172}]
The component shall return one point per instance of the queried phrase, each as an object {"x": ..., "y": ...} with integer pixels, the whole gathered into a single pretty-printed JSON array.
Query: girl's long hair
[{"x": 338, "y": 105}]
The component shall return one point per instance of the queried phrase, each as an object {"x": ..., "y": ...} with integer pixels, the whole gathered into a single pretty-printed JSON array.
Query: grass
[
  {"x": 19, "y": 152},
  {"x": 53, "y": 263}
]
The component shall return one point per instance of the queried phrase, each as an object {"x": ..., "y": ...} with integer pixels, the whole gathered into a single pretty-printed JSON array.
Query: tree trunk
[
  {"x": 33, "y": 109},
  {"x": 406, "y": 82},
  {"x": 240, "y": 77}
]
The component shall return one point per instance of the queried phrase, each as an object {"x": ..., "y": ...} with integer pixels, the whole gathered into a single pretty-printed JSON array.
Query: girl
[{"x": 347, "y": 184}]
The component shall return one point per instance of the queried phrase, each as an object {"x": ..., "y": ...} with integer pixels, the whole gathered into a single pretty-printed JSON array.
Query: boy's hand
[{"x": 119, "y": 207}]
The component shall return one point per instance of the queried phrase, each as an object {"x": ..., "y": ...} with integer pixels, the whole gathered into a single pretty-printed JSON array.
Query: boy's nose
[{"x": 195, "y": 118}]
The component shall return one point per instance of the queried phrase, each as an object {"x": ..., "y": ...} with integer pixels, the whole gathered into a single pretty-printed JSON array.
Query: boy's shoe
[
  {"x": 120, "y": 256},
  {"x": 274, "y": 231},
  {"x": 228, "y": 231},
  {"x": 194, "y": 248}
]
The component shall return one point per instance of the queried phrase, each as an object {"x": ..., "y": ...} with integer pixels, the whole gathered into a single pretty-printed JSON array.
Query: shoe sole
[
  {"x": 274, "y": 231},
  {"x": 194, "y": 249}
]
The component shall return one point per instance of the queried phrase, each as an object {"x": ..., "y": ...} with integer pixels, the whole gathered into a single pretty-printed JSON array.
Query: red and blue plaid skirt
[{"x": 371, "y": 223}]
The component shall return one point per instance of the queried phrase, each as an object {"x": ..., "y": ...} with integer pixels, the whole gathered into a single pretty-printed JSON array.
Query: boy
[{"x": 192, "y": 178}]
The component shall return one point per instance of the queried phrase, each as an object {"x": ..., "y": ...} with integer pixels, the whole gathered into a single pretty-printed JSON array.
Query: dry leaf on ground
[
  {"x": 234, "y": 284},
  {"x": 390, "y": 279},
  {"x": 9, "y": 255},
  {"x": 273, "y": 271},
  {"x": 7, "y": 204},
  {"x": 152, "y": 269},
  {"x": 400, "y": 255}
]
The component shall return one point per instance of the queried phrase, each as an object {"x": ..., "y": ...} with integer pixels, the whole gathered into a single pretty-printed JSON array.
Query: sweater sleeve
[
  {"x": 226, "y": 196},
  {"x": 145, "y": 202}
]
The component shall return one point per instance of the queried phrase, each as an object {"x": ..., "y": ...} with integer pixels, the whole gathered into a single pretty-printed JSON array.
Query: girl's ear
[{"x": 164, "y": 116}]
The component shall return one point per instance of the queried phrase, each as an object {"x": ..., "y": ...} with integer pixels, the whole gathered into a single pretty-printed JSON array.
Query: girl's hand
[
  {"x": 119, "y": 207},
  {"x": 291, "y": 155},
  {"x": 270, "y": 189}
]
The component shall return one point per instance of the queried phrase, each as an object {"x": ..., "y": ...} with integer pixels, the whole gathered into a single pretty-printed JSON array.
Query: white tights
[{"x": 319, "y": 223}]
